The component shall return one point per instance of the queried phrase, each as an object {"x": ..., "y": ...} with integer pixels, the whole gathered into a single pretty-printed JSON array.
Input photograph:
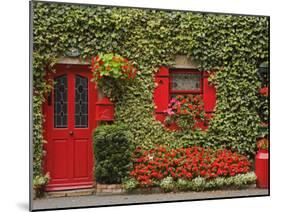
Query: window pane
[
  {"x": 185, "y": 82},
  {"x": 81, "y": 102},
  {"x": 60, "y": 102}
]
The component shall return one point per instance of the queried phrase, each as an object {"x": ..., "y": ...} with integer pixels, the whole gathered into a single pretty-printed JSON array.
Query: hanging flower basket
[{"x": 112, "y": 66}]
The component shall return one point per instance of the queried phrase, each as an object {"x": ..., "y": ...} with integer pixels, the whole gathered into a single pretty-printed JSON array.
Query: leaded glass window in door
[
  {"x": 60, "y": 102},
  {"x": 81, "y": 101}
]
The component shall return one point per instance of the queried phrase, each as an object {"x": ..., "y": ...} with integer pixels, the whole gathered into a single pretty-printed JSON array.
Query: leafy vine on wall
[{"x": 234, "y": 46}]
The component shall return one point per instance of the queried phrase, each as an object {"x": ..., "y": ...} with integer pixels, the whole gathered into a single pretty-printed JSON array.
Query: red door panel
[
  {"x": 59, "y": 164},
  {"x": 81, "y": 158},
  {"x": 69, "y": 114}
]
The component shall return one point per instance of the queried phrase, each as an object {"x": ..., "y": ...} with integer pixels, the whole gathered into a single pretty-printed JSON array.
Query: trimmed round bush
[{"x": 112, "y": 152}]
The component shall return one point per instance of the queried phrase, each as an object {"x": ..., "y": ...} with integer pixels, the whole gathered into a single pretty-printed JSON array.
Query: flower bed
[{"x": 194, "y": 168}]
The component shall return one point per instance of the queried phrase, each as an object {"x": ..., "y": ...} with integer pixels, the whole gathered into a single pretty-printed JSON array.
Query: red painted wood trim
[
  {"x": 163, "y": 72},
  {"x": 161, "y": 92},
  {"x": 69, "y": 186},
  {"x": 209, "y": 94}
]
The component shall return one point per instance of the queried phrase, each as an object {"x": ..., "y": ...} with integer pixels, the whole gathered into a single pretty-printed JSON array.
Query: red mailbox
[
  {"x": 261, "y": 171},
  {"x": 104, "y": 110}
]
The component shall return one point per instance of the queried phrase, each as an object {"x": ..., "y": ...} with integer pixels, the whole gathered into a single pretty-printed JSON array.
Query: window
[
  {"x": 81, "y": 102},
  {"x": 186, "y": 81},
  {"x": 60, "y": 109},
  {"x": 190, "y": 84}
]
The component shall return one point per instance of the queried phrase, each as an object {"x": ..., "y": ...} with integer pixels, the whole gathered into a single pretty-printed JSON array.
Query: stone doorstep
[
  {"x": 101, "y": 189},
  {"x": 71, "y": 193}
]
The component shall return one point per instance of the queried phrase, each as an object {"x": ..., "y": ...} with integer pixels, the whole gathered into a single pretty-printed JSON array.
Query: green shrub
[
  {"x": 39, "y": 183},
  {"x": 240, "y": 180},
  {"x": 184, "y": 185},
  {"x": 130, "y": 184},
  {"x": 40, "y": 180},
  {"x": 198, "y": 183},
  {"x": 112, "y": 153},
  {"x": 167, "y": 184}
]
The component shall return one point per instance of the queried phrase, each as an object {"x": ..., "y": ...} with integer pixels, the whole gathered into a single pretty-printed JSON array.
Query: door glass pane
[
  {"x": 81, "y": 101},
  {"x": 185, "y": 82},
  {"x": 60, "y": 102}
]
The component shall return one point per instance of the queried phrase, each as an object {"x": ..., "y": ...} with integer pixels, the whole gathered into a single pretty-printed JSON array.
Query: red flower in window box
[{"x": 186, "y": 112}]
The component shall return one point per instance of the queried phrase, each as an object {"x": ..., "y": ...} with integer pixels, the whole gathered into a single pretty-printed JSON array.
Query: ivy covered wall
[{"x": 233, "y": 46}]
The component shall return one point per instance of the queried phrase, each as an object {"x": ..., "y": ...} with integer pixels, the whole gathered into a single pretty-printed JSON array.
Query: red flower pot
[{"x": 261, "y": 168}]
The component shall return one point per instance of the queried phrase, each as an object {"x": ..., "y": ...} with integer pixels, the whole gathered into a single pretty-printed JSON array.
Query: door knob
[{"x": 71, "y": 133}]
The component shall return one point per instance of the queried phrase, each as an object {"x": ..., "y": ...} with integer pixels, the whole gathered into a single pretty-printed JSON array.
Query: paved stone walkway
[{"x": 105, "y": 200}]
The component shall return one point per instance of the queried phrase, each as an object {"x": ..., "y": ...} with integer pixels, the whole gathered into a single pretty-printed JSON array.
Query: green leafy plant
[
  {"x": 263, "y": 111},
  {"x": 183, "y": 184},
  {"x": 200, "y": 184},
  {"x": 262, "y": 144},
  {"x": 112, "y": 153},
  {"x": 112, "y": 66},
  {"x": 39, "y": 182},
  {"x": 187, "y": 111},
  {"x": 232, "y": 45},
  {"x": 130, "y": 184},
  {"x": 167, "y": 184}
]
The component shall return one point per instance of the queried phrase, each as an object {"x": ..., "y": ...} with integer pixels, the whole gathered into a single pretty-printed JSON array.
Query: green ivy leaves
[{"x": 232, "y": 45}]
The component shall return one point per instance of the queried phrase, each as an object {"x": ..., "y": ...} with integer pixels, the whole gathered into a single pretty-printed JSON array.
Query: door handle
[{"x": 71, "y": 133}]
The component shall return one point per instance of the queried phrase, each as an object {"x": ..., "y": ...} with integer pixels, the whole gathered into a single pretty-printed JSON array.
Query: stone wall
[{"x": 109, "y": 189}]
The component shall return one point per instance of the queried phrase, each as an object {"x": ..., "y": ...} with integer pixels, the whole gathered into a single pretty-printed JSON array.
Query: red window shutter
[
  {"x": 161, "y": 92},
  {"x": 209, "y": 94}
]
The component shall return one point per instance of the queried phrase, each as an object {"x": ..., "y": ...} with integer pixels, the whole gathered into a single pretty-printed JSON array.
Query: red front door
[{"x": 70, "y": 112}]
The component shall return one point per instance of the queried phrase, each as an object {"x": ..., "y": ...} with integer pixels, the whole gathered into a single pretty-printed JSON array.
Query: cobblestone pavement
[{"x": 105, "y": 200}]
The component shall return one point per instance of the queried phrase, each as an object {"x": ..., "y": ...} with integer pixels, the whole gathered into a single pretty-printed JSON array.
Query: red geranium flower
[
  {"x": 264, "y": 91},
  {"x": 186, "y": 163},
  {"x": 101, "y": 62}
]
